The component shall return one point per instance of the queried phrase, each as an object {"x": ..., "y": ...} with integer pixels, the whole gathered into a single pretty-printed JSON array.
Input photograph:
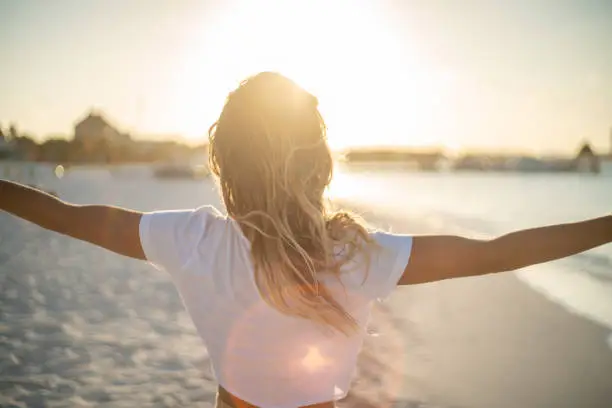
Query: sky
[{"x": 531, "y": 76}]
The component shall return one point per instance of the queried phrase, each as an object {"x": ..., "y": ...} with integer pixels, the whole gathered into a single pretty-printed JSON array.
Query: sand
[
  {"x": 80, "y": 326},
  {"x": 492, "y": 341}
]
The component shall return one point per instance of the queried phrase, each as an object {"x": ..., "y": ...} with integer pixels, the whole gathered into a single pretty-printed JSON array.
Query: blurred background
[{"x": 473, "y": 117}]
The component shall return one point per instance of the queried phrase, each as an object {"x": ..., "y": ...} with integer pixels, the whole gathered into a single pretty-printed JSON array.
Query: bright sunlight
[{"x": 340, "y": 50}]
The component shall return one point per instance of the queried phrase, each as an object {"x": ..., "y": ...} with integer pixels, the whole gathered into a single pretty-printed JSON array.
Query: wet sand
[{"x": 80, "y": 326}]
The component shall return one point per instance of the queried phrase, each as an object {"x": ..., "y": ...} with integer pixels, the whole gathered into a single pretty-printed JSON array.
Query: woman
[{"x": 280, "y": 289}]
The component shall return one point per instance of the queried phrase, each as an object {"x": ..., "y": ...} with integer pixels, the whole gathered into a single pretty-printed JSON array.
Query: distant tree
[
  {"x": 56, "y": 136},
  {"x": 1, "y": 133},
  {"x": 55, "y": 150},
  {"x": 13, "y": 133},
  {"x": 26, "y": 136},
  {"x": 26, "y": 147}
]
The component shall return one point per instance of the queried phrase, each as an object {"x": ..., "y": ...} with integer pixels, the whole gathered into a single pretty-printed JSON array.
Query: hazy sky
[{"x": 528, "y": 75}]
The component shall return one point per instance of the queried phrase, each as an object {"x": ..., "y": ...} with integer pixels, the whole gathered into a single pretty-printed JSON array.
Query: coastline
[
  {"x": 84, "y": 327},
  {"x": 493, "y": 341}
]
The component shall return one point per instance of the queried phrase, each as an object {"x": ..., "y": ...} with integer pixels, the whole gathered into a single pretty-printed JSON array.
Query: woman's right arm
[
  {"x": 112, "y": 228},
  {"x": 437, "y": 258}
]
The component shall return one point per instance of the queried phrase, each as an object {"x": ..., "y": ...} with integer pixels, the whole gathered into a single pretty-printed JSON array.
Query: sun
[{"x": 341, "y": 51}]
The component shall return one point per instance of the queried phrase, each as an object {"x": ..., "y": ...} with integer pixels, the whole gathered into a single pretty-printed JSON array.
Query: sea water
[
  {"x": 489, "y": 204},
  {"x": 469, "y": 203}
]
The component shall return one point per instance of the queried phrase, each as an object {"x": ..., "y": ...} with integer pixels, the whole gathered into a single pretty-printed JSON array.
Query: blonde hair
[{"x": 269, "y": 152}]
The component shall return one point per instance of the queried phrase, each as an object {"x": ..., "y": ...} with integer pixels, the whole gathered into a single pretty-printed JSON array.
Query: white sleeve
[
  {"x": 169, "y": 237},
  {"x": 387, "y": 263}
]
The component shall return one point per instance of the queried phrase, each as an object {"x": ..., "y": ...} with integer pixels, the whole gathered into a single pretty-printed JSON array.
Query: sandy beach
[{"x": 80, "y": 326}]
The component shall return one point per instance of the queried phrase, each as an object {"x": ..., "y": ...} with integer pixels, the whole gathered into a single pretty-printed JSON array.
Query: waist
[{"x": 225, "y": 399}]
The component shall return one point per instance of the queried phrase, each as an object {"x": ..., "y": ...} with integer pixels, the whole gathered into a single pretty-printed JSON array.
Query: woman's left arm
[
  {"x": 112, "y": 228},
  {"x": 435, "y": 258}
]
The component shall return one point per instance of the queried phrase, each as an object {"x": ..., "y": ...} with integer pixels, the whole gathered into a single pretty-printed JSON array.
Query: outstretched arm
[
  {"x": 436, "y": 258},
  {"x": 113, "y": 228}
]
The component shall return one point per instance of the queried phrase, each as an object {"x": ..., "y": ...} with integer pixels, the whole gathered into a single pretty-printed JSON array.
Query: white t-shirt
[{"x": 258, "y": 354}]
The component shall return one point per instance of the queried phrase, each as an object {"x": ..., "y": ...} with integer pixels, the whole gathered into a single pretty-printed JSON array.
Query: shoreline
[
  {"x": 494, "y": 341},
  {"x": 84, "y": 327}
]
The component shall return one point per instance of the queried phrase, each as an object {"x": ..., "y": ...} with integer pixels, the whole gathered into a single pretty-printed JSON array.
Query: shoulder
[
  {"x": 390, "y": 241},
  {"x": 390, "y": 250},
  {"x": 182, "y": 220},
  {"x": 208, "y": 215},
  {"x": 386, "y": 259},
  {"x": 169, "y": 236}
]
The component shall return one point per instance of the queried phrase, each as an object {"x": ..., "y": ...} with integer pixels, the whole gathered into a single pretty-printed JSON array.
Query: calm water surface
[{"x": 488, "y": 204}]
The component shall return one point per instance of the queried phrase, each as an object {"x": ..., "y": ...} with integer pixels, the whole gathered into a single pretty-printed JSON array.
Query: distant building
[
  {"x": 94, "y": 128},
  {"x": 587, "y": 161}
]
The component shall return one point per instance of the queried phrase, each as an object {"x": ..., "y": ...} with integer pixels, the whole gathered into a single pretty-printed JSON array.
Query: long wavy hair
[{"x": 269, "y": 152}]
